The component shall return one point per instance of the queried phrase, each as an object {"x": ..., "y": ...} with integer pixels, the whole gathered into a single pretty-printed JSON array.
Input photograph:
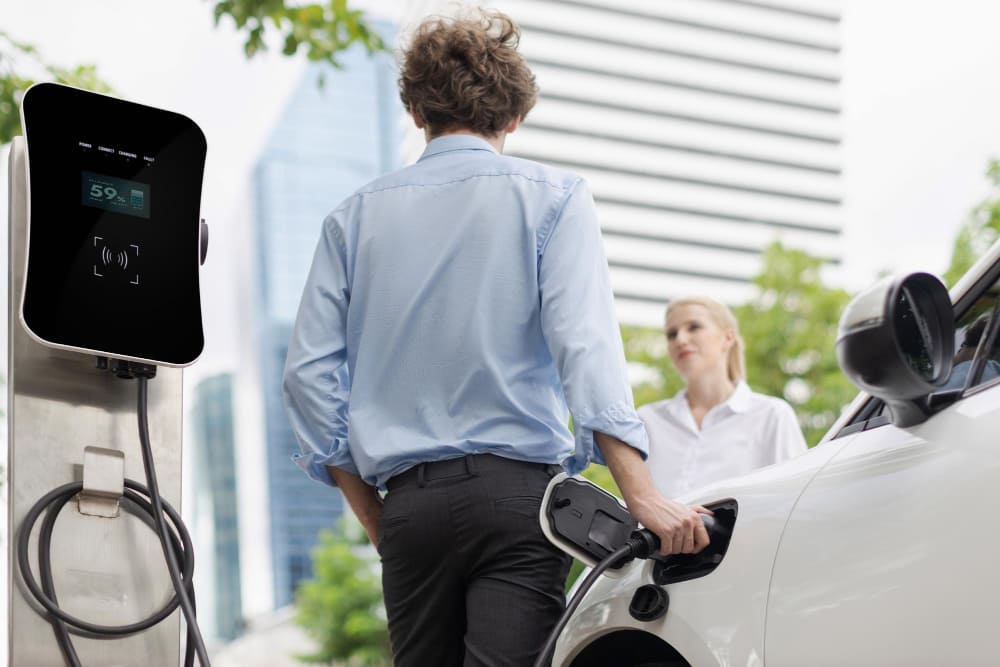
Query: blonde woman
[{"x": 716, "y": 427}]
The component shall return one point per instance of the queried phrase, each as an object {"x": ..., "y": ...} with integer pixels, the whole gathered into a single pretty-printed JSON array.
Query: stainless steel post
[{"x": 106, "y": 570}]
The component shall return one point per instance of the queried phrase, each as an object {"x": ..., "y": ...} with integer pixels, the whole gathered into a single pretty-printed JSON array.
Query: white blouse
[{"x": 746, "y": 432}]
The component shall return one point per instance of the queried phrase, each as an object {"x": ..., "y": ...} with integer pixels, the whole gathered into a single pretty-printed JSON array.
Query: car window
[{"x": 977, "y": 358}]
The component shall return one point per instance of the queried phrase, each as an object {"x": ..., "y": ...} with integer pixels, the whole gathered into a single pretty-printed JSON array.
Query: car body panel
[{"x": 887, "y": 523}]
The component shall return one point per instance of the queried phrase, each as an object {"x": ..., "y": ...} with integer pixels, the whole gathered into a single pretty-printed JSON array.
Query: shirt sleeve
[
  {"x": 788, "y": 441},
  {"x": 581, "y": 330},
  {"x": 316, "y": 381}
]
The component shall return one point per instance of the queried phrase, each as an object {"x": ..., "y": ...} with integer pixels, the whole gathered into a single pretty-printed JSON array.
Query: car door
[{"x": 891, "y": 555}]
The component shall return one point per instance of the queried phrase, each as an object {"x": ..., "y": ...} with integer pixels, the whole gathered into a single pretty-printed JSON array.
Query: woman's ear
[{"x": 730, "y": 338}]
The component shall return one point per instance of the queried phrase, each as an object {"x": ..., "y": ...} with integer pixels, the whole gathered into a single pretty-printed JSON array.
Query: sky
[
  {"x": 921, "y": 110},
  {"x": 919, "y": 121}
]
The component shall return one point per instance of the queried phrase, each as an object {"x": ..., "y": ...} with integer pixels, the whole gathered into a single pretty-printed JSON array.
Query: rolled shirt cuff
[
  {"x": 618, "y": 421},
  {"x": 315, "y": 464}
]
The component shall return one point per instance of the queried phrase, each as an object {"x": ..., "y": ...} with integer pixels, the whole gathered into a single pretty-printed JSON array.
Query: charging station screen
[
  {"x": 115, "y": 194},
  {"x": 114, "y": 226}
]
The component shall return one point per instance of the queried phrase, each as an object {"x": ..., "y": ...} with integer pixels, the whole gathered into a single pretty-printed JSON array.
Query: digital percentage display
[{"x": 115, "y": 194}]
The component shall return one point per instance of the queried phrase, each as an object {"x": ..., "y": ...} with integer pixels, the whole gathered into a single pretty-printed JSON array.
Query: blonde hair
[{"x": 723, "y": 317}]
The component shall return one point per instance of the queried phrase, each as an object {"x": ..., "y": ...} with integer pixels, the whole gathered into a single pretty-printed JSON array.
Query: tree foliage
[
  {"x": 789, "y": 328},
  {"x": 341, "y": 606},
  {"x": 321, "y": 30},
  {"x": 980, "y": 230},
  {"x": 21, "y": 65}
]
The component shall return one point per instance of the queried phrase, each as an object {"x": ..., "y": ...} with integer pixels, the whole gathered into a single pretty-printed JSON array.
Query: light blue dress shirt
[{"x": 457, "y": 306}]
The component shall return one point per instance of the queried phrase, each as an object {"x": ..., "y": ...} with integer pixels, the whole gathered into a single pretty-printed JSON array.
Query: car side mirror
[{"x": 896, "y": 341}]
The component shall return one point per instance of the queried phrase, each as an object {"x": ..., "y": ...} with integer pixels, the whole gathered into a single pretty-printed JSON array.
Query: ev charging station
[{"x": 104, "y": 311}]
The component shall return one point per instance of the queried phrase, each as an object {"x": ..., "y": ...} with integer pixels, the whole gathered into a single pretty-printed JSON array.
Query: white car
[{"x": 877, "y": 547}]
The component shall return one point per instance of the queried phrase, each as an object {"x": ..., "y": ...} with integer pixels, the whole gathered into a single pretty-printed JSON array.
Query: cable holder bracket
[{"x": 103, "y": 482}]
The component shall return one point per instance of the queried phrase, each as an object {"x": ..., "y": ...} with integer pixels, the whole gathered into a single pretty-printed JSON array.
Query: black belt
[{"x": 464, "y": 466}]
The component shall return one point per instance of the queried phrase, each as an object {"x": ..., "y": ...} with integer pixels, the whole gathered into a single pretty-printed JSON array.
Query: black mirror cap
[{"x": 896, "y": 341}]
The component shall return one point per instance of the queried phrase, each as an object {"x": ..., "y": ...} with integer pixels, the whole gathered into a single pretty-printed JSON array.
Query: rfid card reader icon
[{"x": 110, "y": 261}]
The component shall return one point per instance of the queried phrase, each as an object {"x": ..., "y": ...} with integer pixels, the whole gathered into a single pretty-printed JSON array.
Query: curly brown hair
[{"x": 466, "y": 73}]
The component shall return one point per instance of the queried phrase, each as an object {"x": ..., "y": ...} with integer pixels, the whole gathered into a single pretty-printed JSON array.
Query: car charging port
[{"x": 682, "y": 567}]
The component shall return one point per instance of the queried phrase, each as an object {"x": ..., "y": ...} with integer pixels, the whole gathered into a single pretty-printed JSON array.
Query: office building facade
[{"x": 707, "y": 129}]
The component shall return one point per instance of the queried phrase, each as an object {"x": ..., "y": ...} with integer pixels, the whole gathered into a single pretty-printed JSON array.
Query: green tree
[
  {"x": 21, "y": 65},
  {"x": 321, "y": 30},
  {"x": 789, "y": 328},
  {"x": 980, "y": 230},
  {"x": 341, "y": 606}
]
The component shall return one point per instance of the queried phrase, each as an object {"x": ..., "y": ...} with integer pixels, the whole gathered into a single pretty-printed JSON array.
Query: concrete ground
[{"x": 269, "y": 642}]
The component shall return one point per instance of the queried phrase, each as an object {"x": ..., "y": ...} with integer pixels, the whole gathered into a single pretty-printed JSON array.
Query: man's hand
[
  {"x": 678, "y": 526},
  {"x": 363, "y": 499}
]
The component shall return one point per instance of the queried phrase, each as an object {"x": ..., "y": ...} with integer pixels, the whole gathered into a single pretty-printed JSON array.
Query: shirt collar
[
  {"x": 738, "y": 401},
  {"x": 455, "y": 142}
]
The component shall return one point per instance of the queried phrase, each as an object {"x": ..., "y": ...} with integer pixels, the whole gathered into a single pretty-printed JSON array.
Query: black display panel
[{"x": 113, "y": 229}]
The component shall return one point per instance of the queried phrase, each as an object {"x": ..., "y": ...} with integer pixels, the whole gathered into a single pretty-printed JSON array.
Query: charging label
[{"x": 115, "y": 194}]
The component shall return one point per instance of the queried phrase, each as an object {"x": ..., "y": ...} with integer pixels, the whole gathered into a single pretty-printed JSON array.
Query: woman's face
[{"x": 696, "y": 343}]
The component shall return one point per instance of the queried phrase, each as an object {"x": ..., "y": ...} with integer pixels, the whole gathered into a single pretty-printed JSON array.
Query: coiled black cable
[
  {"x": 52, "y": 503},
  {"x": 176, "y": 544}
]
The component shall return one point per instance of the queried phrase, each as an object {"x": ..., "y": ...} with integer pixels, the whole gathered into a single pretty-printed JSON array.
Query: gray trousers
[{"x": 468, "y": 576}]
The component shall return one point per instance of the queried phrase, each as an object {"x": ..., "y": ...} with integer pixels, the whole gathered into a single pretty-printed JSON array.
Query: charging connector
[
  {"x": 589, "y": 523},
  {"x": 584, "y": 520}
]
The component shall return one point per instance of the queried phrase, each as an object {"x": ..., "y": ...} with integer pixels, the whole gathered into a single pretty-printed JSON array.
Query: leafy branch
[
  {"x": 21, "y": 65},
  {"x": 980, "y": 230},
  {"x": 322, "y": 30}
]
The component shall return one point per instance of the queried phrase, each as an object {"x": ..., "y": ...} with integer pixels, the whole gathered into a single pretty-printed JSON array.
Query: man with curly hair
[{"x": 454, "y": 310}]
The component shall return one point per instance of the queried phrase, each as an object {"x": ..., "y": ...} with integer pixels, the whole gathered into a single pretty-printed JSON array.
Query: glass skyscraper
[
  {"x": 339, "y": 130},
  {"x": 215, "y": 499}
]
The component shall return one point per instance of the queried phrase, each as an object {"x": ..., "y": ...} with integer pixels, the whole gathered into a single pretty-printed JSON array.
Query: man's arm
[
  {"x": 578, "y": 320},
  {"x": 363, "y": 498},
  {"x": 678, "y": 526},
  {"x": 316, "y": 383},
  {"x": 581, "y": 331}
]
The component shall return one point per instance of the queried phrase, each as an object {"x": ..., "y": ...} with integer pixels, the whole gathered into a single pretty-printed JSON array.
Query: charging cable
[
  {"x": 640, "y": 544},
  {"x": 175, "y": 542}
]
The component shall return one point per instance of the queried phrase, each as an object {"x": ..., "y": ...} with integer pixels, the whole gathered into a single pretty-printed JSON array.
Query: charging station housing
[{"x": 114, "y": 231}]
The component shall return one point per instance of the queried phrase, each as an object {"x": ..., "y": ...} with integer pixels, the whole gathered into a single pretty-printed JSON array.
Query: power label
[{"x": 115, "y": 194}]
